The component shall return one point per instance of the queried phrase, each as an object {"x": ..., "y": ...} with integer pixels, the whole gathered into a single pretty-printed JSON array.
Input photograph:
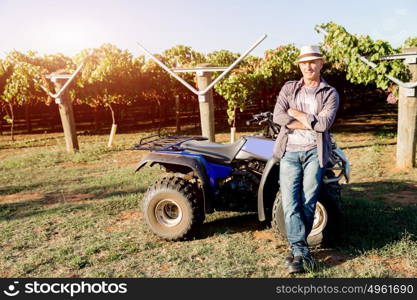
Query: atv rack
[{"x": 157, "y": 142}]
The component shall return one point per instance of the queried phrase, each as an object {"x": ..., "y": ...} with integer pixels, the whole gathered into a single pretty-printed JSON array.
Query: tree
[
  {"x": 160, "y": 88},
  {"x": 21, "y": 87},
  {"x": 5, "y": 72},
  {"x": 411, "y": 42},
  {"x": 222, "y": 58},
  {"x": 182, "y": 56},
  {"x": 239, "y": 87},
  {"x": 157, "y": 87},
  {"x": 278, "y": 66},
  {"x": 258, "y": 80},
  {"x": 108, "y": 79},
  {"x": 20, "y": 83},
  {"x": 343, "y": 49}
]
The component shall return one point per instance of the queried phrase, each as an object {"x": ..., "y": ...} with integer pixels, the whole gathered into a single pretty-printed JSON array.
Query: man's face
[{"x": 311, "y": 69}]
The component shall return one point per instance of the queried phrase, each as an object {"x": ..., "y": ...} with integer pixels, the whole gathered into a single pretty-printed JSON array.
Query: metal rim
[
  {"x": 320, "y": 219},
  {"x": 168, "y": 213}
]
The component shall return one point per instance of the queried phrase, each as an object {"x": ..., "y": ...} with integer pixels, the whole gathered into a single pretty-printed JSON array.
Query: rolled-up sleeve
[
  {"x": 282, "y": 105},
  {"x": 324, "y": 120}
]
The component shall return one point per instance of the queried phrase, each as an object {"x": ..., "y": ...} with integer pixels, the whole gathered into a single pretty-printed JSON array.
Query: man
[{"x": 305, "y": 109}]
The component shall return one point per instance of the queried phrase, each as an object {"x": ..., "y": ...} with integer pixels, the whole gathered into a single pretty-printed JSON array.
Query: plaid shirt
[{"x": 328, "y": 103}]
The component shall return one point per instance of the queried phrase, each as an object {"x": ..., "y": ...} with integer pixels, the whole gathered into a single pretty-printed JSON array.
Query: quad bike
[{"x": 203, "y": 177}]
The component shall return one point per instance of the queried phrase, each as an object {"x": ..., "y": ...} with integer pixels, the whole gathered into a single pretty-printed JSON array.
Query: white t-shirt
[{"x": 301, "y": 139}]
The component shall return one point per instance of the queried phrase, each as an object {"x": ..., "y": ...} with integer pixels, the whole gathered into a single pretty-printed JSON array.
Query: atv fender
[
  {"x": 267, "y": 178},
  {"x": 171, "y": 160}
]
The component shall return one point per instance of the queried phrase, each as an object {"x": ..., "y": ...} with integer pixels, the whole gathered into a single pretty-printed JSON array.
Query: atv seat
[{"x": 214, "y": 151}]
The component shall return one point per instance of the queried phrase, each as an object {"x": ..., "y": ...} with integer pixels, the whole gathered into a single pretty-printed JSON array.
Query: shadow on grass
[
  {"x": 229, "y": 225},
  {"x": 377, "y": 214},
  {"x": 13, "y": 189},
  {"x": 27, "y": 209},
  {"x": 53, "y": 203},
  {"x": 108, "y": 191}
]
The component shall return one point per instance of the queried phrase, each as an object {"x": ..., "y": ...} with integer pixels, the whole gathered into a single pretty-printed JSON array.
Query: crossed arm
[
  {"x": 294, "y": 119},
  {"x": 300, "y": 120}
]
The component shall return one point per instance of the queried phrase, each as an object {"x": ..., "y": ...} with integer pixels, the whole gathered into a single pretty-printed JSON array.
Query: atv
[{"x": 203, "y": 177}]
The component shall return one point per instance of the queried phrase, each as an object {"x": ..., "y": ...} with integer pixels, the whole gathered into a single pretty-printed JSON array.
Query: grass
[{"x": 64, "y": 215}]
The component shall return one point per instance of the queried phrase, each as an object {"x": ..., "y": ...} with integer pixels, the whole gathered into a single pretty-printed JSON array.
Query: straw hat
[{"x": 308, "y": 53}]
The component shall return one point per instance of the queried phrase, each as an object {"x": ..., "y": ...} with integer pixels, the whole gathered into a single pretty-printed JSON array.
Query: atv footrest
[{"x": 156, "y": 142}]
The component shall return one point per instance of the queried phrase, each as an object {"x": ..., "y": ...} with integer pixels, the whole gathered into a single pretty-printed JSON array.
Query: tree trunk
[
  {"x": 234, "y": 117},
  {"x": 12, "y": 121},
  {"x": 113, "y": 116}
]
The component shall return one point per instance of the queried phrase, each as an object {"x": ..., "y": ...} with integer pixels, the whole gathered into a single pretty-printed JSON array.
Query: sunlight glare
[{"x": 67, "y": 38}]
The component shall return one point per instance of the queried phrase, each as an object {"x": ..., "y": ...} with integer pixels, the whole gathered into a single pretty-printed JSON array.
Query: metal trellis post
[
  {"x": 61, "y": 82},
  {"x": 205, "y": 85},
  {"x": 407, "y": 107},
  {"x": 407, "y": 117}
]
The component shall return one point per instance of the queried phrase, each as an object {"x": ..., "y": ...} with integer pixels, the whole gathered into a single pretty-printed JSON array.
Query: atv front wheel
[
  {"x": 173, "y": 208},
  {"x": 326, "y": 217}
]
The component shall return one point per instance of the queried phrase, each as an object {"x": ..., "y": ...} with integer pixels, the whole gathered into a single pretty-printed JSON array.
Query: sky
[{"x": 68, "y": 26}]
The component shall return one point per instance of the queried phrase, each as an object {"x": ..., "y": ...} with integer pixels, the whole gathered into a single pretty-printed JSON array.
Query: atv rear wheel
[
  {"x": 326, "y": 217},
  {"x": 173, "y": 208}
]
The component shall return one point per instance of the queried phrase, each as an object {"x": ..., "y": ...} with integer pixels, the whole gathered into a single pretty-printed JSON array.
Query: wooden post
[
  {"x": 112, "y": 135},
  {"x": 232, "y": 135},
  {"x": 206, "y": 105},
  {"x": 407, "y": 123},
  {"x": 177, "y": 113},
  {"x": 67, "y": 118}
]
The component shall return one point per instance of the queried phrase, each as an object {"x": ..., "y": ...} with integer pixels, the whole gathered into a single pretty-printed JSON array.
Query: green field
[{"x": 64, "y": 215}]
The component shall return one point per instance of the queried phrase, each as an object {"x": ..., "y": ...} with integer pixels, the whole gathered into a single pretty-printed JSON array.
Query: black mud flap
[
  {"x": 266, "y": 174},
  {"x": 174, "y": 159}
]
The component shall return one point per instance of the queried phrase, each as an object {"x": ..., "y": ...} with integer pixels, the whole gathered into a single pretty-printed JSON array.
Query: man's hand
[
  {"x": 296, "y": 125},
  {"x": 299, "y": 116},
  {"x": 294, "y": 113}
]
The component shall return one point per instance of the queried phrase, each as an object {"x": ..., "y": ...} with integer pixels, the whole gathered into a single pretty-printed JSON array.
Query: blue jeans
[{"x": 300, "y": 179}]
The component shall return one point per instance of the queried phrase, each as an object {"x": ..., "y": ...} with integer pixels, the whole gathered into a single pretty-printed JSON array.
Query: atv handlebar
[
  {"x": 262, "y": 117},
  {"x": 265, "y": 119}
]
